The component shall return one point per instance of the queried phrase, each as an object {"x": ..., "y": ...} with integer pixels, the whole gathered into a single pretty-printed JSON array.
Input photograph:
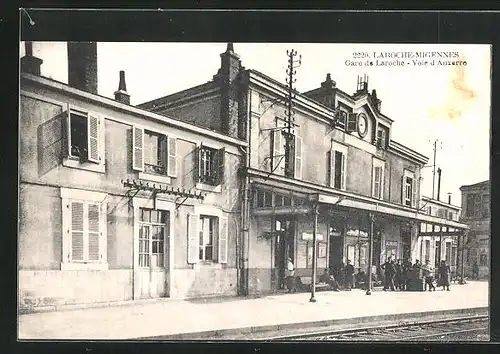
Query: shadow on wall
[{"x": 51, "y": 139}]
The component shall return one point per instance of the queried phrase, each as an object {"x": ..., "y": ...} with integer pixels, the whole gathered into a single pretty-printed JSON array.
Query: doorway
[
  {"x": 335, "y": 252},
  {"x": 153, "y": 253},
  {"x": 284, "y": 249}
]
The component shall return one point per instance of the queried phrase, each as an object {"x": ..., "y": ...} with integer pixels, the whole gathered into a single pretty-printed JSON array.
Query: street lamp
[{"x": 315, "y": 231}]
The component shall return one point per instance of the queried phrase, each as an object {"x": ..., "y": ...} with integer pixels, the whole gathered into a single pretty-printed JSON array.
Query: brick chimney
[
  {"x": 82, "y": 66},
  {"x": 378, "y": 103},
  {"x": 29, "y": 63},
  {"x": 228, "y": 81},
  {"x": 122, "y": 95}
]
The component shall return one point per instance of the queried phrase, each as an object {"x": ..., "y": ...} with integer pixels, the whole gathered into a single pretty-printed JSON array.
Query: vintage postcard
[{"x": 254, "y": 191}]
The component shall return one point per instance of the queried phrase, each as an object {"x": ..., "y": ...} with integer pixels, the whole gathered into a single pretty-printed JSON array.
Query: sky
[{"x": 450, "y": 104}]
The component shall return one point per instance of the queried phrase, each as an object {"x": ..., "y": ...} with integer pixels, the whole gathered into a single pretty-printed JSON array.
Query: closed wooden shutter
[
  {"x": 172, "y": 157},
  {"x": 298, "y": 157},
  {"x": 352, "y": 120},
  {"x": 376, "y": 182},
  {"x": 331, "y": 167},
  {"x": 414, "y": 193},
  {"x": 193, "y": 239},
  {"x": 93, "y": 124},
  {"x": 223, "y": 240},
  {"x": 221, "y": 154},
  {"x": 77, "y": 232},
  {"x": 342, "y": 172},
  {"x": 278, "y": 153},
  {"x": 66, "y": 132},
  {"x": 403, "y": 190},
  {"x": 93, "y": 232},
  {"x": 138, "y": 149}
]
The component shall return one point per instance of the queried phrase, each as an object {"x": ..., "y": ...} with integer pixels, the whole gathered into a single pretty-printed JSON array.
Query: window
[
  {"x": 206, "y": 238},
  {"x": 450, "y": 215},
  {"x": 337, "y": 166},
  {"x": 210, "y": 165},
  {"x": 378, "y": 179},
  {"x": 352, "y": 121},
  {"x": 287, "y": 162},
  {"x": 448, "y": 257},
  {"x": 477, "y": 205},
  {"x": 282, "y": 200},
  {"x": 430, "y": 210},
  {"x": 470, "y": 205},
  {"x": 83, "y": 135},
  {"x": 341, "y": 118},
  {"x": 453, "y": 255},
  {"x": 409, "y": 189},
  {"x": 152, "y": 237},
  {"x": 486, "y": 206},
  {"x": 84, "y": 229},
  {"x": 154, "y": 153},
  {"x": 382, "y": 133}
]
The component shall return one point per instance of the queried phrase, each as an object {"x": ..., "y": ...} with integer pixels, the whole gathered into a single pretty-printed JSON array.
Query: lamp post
[
  {"x": 315, "y": 231},
  {"x": 464, "y": 234},
  {"x": 370, "y": 254}
]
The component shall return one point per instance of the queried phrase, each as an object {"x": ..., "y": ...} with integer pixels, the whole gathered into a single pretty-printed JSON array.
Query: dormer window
[
  {"x": 341, "y": 118},
  {"x": 381, "y": 139}
]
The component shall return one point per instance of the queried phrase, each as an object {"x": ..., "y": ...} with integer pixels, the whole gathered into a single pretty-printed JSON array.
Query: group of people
[{"x": 396, "y": 274}]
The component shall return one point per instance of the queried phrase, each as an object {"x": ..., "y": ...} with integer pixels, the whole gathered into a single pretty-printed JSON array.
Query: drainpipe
[
  {"x": 245, "y": 217},
  {"x": 370, "y": 255}
]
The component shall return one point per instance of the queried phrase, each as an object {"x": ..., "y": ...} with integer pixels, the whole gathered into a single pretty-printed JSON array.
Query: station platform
[{"x": 231, "y": 318}]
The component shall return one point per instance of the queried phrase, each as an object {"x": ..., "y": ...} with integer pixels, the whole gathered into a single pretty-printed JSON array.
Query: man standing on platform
[
  {"x": 349, "y": 275},
  {"x": 428, "y": 270},
  {"x": 389, "y": 272}
]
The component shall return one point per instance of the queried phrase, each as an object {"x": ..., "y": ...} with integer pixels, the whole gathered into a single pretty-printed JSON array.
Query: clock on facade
[{"x": 362, "y": 125}]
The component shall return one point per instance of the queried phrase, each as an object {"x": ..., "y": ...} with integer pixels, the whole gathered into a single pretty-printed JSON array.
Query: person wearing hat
[
  {"x": 349, "y": 275},
  {"x": 290, "y": 272}
]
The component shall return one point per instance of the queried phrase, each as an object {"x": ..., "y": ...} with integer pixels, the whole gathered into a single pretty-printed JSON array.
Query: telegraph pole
[
  {"x": 290, "y": 80},
  {"x": 434, "y": 164}
]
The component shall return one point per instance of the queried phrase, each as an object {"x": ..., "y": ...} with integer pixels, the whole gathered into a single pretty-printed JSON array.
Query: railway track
[{"x": 454, "y": 329}]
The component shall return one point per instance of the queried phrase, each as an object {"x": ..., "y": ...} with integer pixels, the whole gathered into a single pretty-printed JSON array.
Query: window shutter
[
  {"x": 223, "y": 240},
  {"x": 298, "y": 157},
  {"x": 193, "y": 241},
  {"x": 342, "y": 172},
  {"x": 138, "y": 149},
  {"x": 197, "y": 163},
  {"x": 103, "y": 232},
  {"x": 352, "y": 119},
  {"x": 66, "y": 131},
  {"x": 77, "y": 248},
  {"x": 221, "y": 153},
  {"x": 93, "y": 232},
  {"x": 331, "y": 167},
  {"x": 414, "y": 193},
  {"x": 379, "y": 137},
  {"x": 277, "y": 142},
  {"x": 403, "y": 190},
  {"x": 172, "y": 157},
  {"x": 93, "y": 138}
]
